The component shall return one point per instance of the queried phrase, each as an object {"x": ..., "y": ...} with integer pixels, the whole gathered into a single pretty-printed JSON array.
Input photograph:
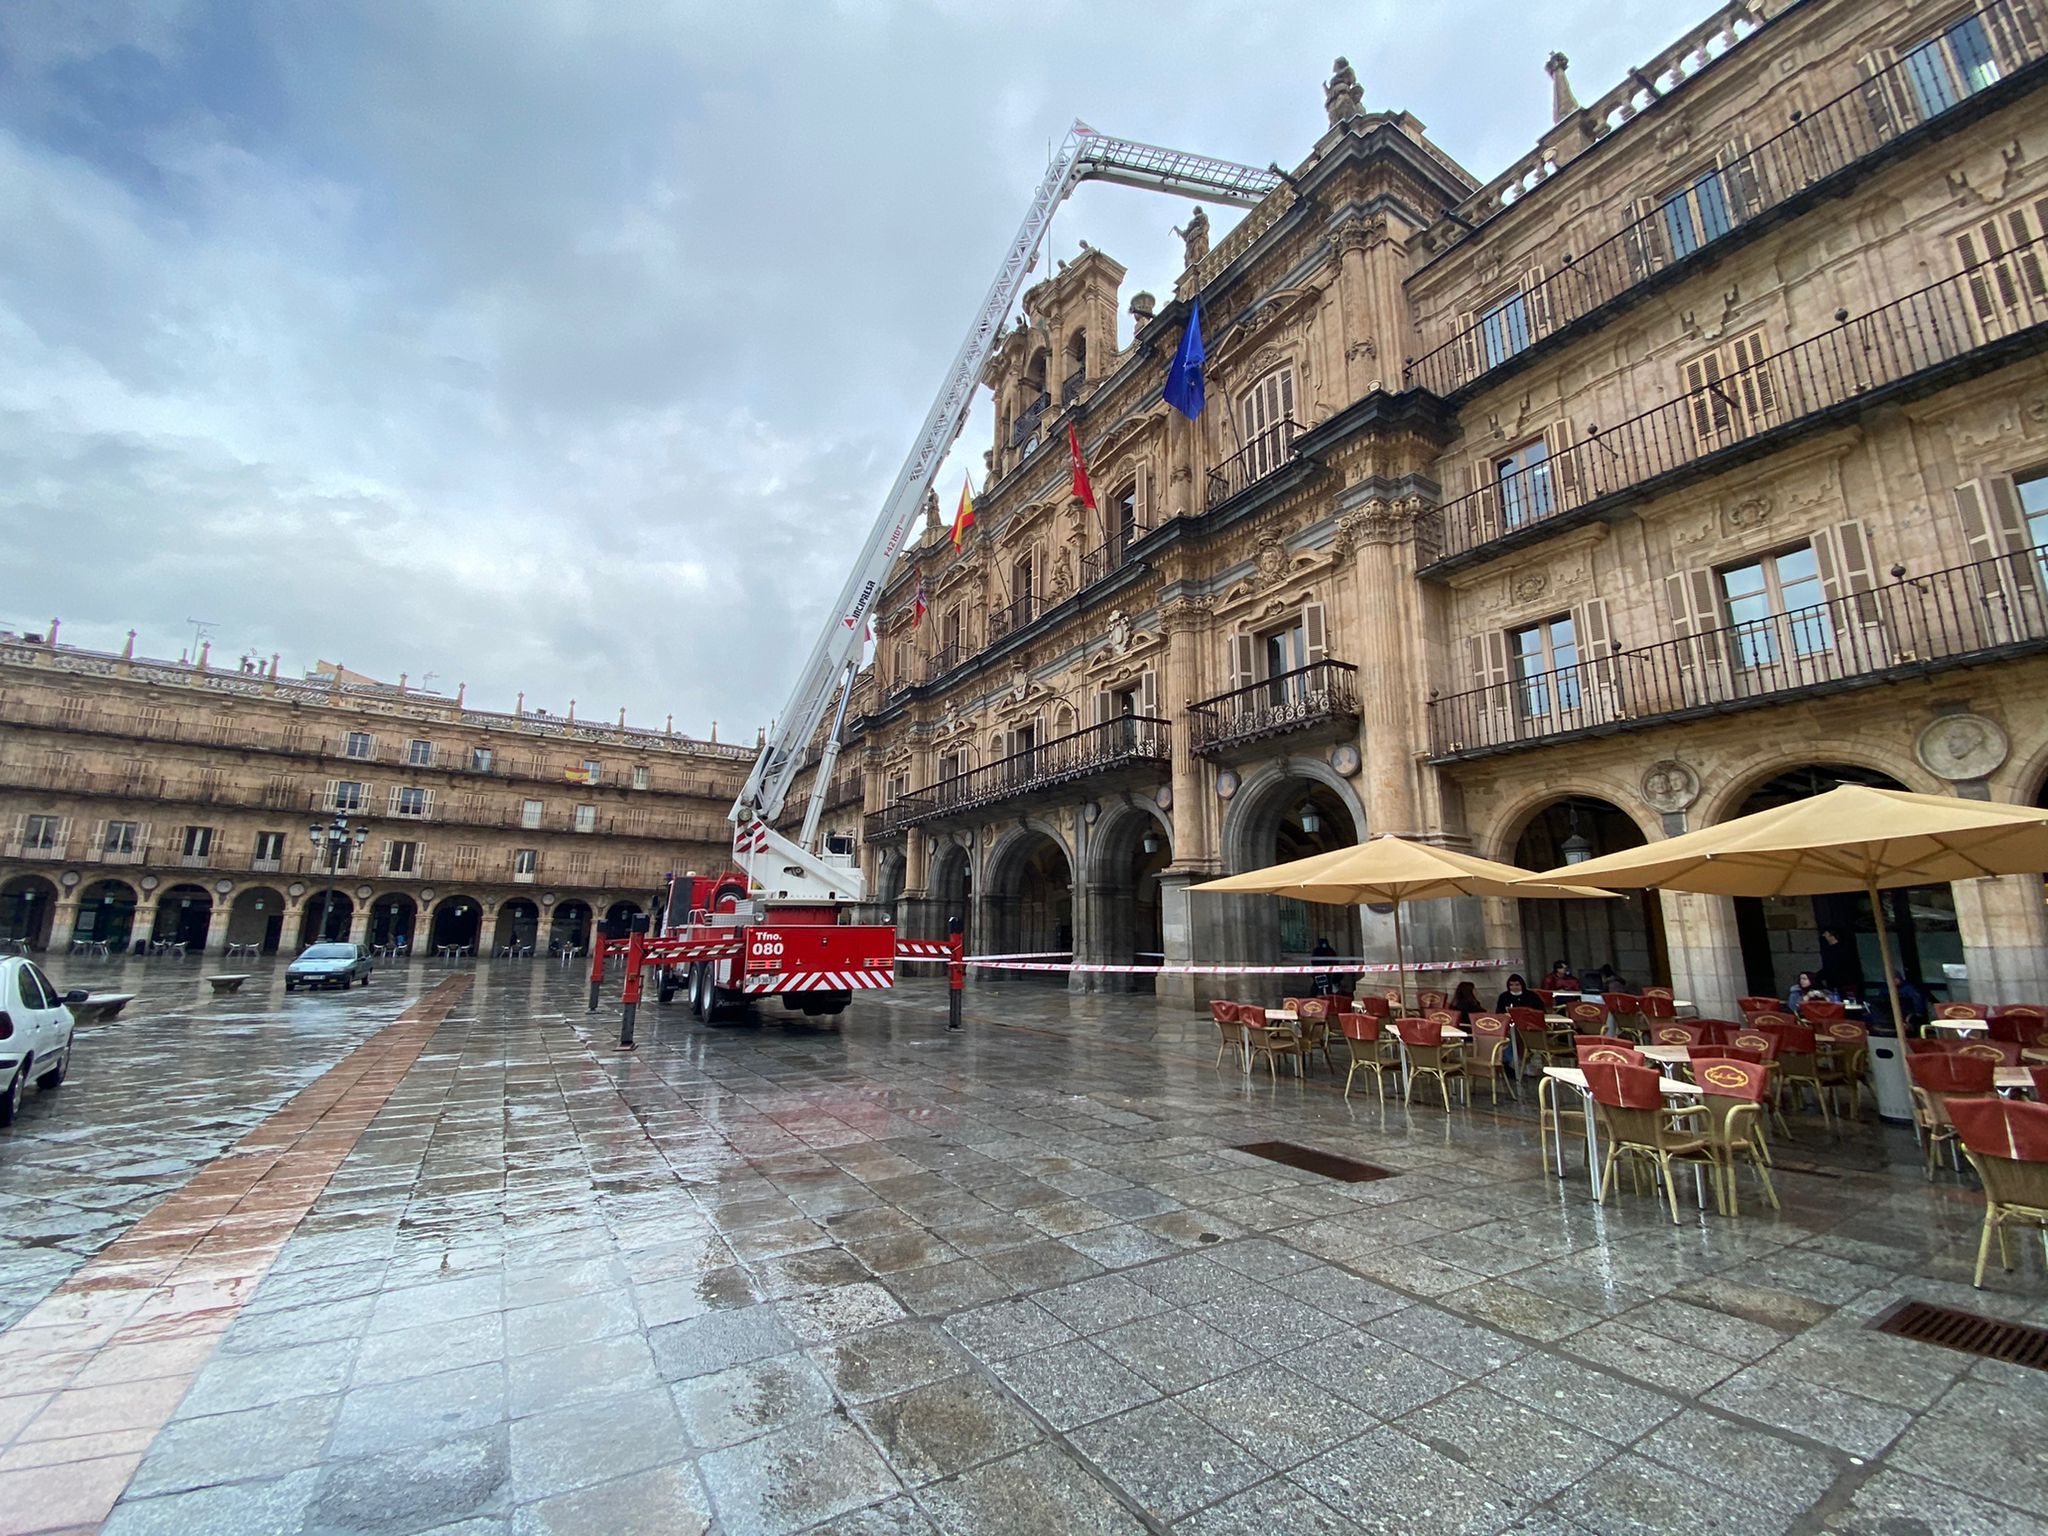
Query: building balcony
[
  {"x": 1968, "y": 614},
  {"x": 21, "y": 848},
  {"x": 1130, "y": 744},
  {"x": 1975, "y": 320},
  {"x": 267, "y": 866},
  {"x": 1012, "y": 617},
  {"x": 1028, "y": 419},
  {"x": 844, "y": 791},
  {"x": 1110, "y": 556},
  {"x": 1072, "y": 385},
  {"x": 1271, "y": 450},
  {"x": 1820, "y": 153},
  {"x": 1321, "y": 695},
  {"x": 884, "y": 825},
  {"x": 943, "y": 660}
]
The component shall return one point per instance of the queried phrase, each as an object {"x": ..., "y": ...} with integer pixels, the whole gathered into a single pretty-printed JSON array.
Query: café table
[
  {"x": 1575, "y": 1079},
  {"x": 1959, "y": 1026},
  {"x": 2012, "y": 1080}
]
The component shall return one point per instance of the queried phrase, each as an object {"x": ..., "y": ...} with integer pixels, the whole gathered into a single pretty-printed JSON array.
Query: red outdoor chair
[{"x": 2007, "y": 1143}]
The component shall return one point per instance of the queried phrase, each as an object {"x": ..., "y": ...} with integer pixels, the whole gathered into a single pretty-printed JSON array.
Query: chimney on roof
[
  {"x": 128, "y": 650},
  {"x": 205, "y": 650},
  {"x": 53, "y": 634},
  {"x": 1562, "y": 102}
]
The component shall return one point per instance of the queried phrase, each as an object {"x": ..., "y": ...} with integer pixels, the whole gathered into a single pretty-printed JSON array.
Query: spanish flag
[{"x": 964, "y": 518}]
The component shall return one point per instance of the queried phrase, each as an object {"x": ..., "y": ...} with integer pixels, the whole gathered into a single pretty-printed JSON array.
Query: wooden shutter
[
  {"x": 333, "y": 793},
  {"x": 1753, "y": 384},
  {"x": 2015, "y": 34},
  {"x": 1148, "y": 694},
  {"x": 1536, "y": 303},
  {"x": 1564, "y": 468},
  {"x": 1314, "y": 633},
  {"x": 1878, "y": 100},
  {"x": 1141, "y": 499},
  {"x": 1707, "y": 398},
  {"x": 1689, "y": 597},
  {"x": 1238, "y": 657},
  {"x": 1491, "y": 720},
  {"x": 1739, "y": 183},
  {"x": 97, "y": 838},
  {"x": 1842, "y": 556},
  {"x": 1595, "y": 634}
]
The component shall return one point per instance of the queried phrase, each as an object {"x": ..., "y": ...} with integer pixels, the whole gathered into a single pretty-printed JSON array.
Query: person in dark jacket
[
  {"x": 1517, "y": 995},
  {"x": 1466, "y": 1001}
]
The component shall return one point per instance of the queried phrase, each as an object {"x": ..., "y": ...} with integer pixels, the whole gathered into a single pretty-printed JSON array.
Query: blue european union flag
[{"x": 1184, "y": 379}]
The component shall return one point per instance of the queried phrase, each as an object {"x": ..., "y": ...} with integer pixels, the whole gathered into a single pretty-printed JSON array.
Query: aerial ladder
[{"x": 784, "y": 936}]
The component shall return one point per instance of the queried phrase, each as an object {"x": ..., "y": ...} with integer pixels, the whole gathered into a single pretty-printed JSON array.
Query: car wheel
[
  {"x": 54, "y": 1078},
  {"x": 10, "y": 1101},
  {"x": 290, "y": 985}
]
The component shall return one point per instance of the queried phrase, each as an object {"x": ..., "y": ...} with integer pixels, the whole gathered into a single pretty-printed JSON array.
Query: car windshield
[{"x": 330, "y": 952}]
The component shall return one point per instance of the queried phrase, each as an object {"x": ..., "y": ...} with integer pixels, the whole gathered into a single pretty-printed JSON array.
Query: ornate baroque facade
[
  {"x": 143, "y": 799},
  {"x": 1699, "y": 460}
]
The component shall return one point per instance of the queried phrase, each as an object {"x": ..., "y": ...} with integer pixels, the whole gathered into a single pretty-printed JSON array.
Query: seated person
[
  {"x": 1517, "y": 995},
  {"x": 1561, "y": 978},
  {"x": 1466, "y": 1000},
  {"x": 1809, "y": 989}
]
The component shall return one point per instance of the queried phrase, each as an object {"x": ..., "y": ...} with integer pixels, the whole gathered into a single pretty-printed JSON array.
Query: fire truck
[{"x": 777, "y": 925}]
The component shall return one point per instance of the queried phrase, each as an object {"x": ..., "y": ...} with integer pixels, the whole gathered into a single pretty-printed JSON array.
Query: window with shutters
[
  {"x": 347, "y": 795},
  {"x": 1696, "y": 212},
  {"x": 586, "y": 818},
  {"x": 1265, "y": 422},
  {"x": 1504, "y": 329},
  {"x": 479, "y": 759},
  {"x": 1123, "y": 517},
  {"x": 41, "y": 833},
  {"x": 525, "y": 862},
  {"x": 1523, "y": 475},
  {"x": 196, "y": 842},
  {"x": 467, "y": 857},
  {"x": 121, "y": 837},
  {"x": 949, "y": 765},
  {"x": 401, "y": 858},
  {"x": 2033, "y": 494},
  {"x": 1545, "y": 658},
  {"x": 409, "y": 800},
  {"x": 641, "y": 778},
  {"x": 269, "y": 851},
  {"x": 530, "y": 813},
  {"x": 1955, "y": 63},
  {"x": 1777, "y": 606},
  {"x": 356, "y": 744},
  {"x": 420, "y": 754},
  {"x": 1731, "y": 392},
  {"x": 2002, "y": 258}
]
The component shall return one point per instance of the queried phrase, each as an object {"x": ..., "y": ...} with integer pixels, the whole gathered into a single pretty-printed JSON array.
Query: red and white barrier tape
[{"x": 1348, "y": 967}]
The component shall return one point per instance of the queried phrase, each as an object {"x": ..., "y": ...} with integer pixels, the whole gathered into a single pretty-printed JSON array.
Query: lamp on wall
[
  {"x": 1151, "y": 842},
  {"x": 1311, "y": 818},
  {"x": 1575, "y": 848}
]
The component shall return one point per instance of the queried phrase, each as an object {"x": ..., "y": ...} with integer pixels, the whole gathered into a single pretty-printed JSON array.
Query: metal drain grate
[
  {"x": 1970, "y": 1332},
  {"x": 1328, "y": 1164}
]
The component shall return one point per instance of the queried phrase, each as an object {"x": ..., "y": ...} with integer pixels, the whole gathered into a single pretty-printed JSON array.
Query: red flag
[
  {"x": 917, "y": 603},
  {"x": 1082, "y": 488},
  {"x": 964, "y": 518}
]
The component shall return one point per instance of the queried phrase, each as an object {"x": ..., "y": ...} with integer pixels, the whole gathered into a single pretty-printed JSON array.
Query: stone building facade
[
  {"x": 148, "y": 800},
  {"x": 1698, "y": 461}
]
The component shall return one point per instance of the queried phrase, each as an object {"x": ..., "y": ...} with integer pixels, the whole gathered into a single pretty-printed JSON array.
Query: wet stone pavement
[{"x": 494, "y": 1276}]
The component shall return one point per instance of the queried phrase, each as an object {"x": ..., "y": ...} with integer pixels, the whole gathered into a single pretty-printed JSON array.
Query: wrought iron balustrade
[
  {"x": 943, "y": 660},
  {"x": 1070, "y": 388},
  {"x": 1028, "y": 419},
  {"x": 880, "y": 826},
  {"x": 1824, "y": 143},
  {"x": 1918, "y": 624},
  {"x": 1995, "y": 306},
  {"x": 1271, "y": 450},
  {"x": 1127, "y": 741},
  {"x": 1112, "y": 554},
  {"x": 1321, "y": 692},
  {"x": 1013, "y": 616}
]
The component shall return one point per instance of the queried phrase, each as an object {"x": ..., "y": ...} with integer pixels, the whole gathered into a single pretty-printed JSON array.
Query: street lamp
[
  {"x": 1576, "y": 849},
  {"x": 334, "y": 837},
  {"x": 1311, "y": 818}
]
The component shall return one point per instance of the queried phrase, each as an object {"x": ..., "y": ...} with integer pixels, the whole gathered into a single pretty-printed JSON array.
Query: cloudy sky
[{"x": 568, "y": 346}]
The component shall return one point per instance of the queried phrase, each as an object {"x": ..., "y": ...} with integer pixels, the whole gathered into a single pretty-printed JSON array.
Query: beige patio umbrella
[
  {"x": 1853, "y": 838},
  {"x": 1390, "y": 870}
]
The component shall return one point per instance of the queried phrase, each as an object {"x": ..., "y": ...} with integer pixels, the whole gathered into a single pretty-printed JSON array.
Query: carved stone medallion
[
  {"x": 1345, "y": 759},
  {"x": 1959, "y": 747},
  {"x": 1226, "y": 784},
  {"x": 1670, "y": 786}
]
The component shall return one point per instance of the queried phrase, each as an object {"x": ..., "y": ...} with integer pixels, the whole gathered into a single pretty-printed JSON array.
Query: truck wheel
[
  {"x": 665, "y": 993},
  {"x": 697, "y": 989}
]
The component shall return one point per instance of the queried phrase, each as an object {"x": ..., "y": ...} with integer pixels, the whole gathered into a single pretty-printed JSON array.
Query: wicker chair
[
  {"x": 1797, "y": 1061},
  {"x": 1635, "y": 1123},
  {"x": 1601, "y": 1050},
  {"x": 1229, "y": 1028},
  {"x": 1488, "y": 1053},
  {"x": 1312, "y": 1024},
  {"x": 1422, "y": 1042},
  {"x": 1367, "y": 1039},
  {"x": 1844, "y": 1060},
  {"x": 1268, "y": 1039},
  {"x": 1939, "y": 1081},
  {"x": 2007, "y": 1144},
  {"x": 1626, "y": 1009},
  {"x": 1587, "y": 1018},
  {"x": 1732, "y": 1093}
]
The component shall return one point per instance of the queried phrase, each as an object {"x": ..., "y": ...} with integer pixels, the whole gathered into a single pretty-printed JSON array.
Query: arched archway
[
  {"x": 890, "y": 870},
  {"x": 28, "y": 906},
  {"x": 569, "y": 926},
  {"x": 324, "y": 920},
  {"x": 518, "y": 928},
  {"x": 1626, "y": 932},
  {"x": 1128, "y": 848},
  {"x": 457, "y": 921},
  {"x": 623, "y": 911},
  {"x": 257, "y": 917},
  {"x": 183, "y": 913},
  {"x": 1299, "y": 808},
  {"x": 953, "y": 892},
  {"x": 1783, "y": 935},
  {"x": 106, "y": 914},
  {"x": 393, "y": 919},
  {"x": 1029, "y": 894}
]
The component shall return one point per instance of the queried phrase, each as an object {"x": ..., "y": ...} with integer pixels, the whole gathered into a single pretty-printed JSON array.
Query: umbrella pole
[
  {"x": 1884, "y": 958},
  {"x": 1400, "y": 957}
]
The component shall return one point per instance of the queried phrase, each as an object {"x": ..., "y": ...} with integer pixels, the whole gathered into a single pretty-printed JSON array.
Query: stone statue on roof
[
  {"x": 1343, "y": 96},
  {"x": 1196, "y": 234}
]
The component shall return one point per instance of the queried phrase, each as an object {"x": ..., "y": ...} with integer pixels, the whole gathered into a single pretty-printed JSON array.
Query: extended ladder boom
[{"x": 1084, "y": 155}]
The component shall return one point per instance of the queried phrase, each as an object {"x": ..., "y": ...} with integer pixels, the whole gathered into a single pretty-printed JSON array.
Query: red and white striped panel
[
  {"x": 821, "y": 981},
  {"x": 675, "y": 951},
  {"x": 752, "y": 838},
  {"x": 923, "y": 949}
]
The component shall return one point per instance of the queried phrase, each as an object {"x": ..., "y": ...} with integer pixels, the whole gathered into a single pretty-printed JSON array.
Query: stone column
[
  {"x": 1191, "y": 800},
  {"x": 2004, "y": 928},
  {"x": 63, "y": 921},
  {"x": 217, "y": 923},
  {"x": 1391, "y": 681},
  {"x": 1705, "y": 950},
  {"x": 359, "y": 924}
]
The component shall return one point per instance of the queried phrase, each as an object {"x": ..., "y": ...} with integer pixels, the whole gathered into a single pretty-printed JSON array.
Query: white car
[{"x": 35, "y": 1032}]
